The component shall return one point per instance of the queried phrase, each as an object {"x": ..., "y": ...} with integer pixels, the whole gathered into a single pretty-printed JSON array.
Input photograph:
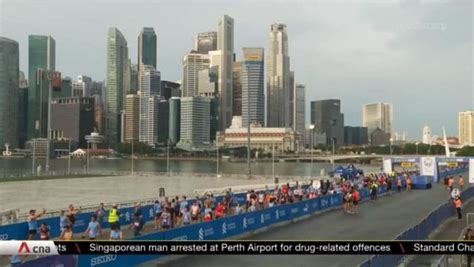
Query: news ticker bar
[{"x": 234, "y": 247}]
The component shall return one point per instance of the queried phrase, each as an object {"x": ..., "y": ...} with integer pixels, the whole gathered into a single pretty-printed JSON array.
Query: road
[{"x": 383, "y": 219}]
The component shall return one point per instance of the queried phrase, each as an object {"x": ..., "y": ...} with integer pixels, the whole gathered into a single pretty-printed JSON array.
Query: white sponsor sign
[
  {"x": 471, "y": 170},
  {"x": 428, "y": 165},
  {"x": 387, "y": 166},
  {"x": 13, "y": 247}
]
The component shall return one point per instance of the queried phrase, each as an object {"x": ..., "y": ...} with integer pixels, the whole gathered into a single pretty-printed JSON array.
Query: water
[
  {"x": 8, "y": 166},
  {"x": 58, "y": 193}
]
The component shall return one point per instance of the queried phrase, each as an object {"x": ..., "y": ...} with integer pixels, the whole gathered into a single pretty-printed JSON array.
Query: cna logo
[{"x": 24, "y": 249}]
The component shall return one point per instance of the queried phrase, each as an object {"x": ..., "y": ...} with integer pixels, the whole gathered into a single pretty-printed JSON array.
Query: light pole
[
  {"x": 69, "y": 159},
  {"x": 133, "y": 155},
  {"x": 217, "y": 159},
  {"x": 33, "y": 160},
  {"x": 333, "y": 140},
  {"x": 168, "y": 157},
  {"x": 391, "y": 140},
  {"x": 273, "y": 160},
  {"x": 48, "y": 147},
  {"x": 417, "y": 143},
  {"x": 311, "y": 126}
]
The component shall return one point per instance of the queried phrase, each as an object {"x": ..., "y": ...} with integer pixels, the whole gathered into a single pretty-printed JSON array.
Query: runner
[
  {"x": 115, "y": 233},
  {"x": 33, "y": 224},
  {"x": 409, "y": 182},
  {"x": 461, "y": 182},
  {"x": 44, "y": 231},
  {"x": 136, "y": 225},
  {"x": 450, "y": 183},
  {"x": 389, "y": 185},
  {"x": 399, "y": 184},
  {"x": 186, "y": 217},
  {"x": 100, "y": 214},
  {"x": 93, "y": 228},
  {"x": 67, "y": 233},
  {"x": 458, "y": 205},
  {"x": 71, "y": 214},
  {"x": 157, "y": 210},
  {"x": 355, "y": 200}
]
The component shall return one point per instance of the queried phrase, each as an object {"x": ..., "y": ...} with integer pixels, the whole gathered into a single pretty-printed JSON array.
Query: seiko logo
[{"x": 103, "y": 259}]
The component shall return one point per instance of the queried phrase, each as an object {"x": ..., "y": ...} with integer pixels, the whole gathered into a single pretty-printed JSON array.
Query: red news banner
[{"x": 234, "y": 247}]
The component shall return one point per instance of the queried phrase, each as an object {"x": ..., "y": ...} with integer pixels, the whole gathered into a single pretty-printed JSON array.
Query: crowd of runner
[{"x": 179, "y": 211}]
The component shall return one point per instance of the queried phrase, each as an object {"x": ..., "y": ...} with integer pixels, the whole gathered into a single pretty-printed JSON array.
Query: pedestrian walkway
[{"x": 382, "y": 219}]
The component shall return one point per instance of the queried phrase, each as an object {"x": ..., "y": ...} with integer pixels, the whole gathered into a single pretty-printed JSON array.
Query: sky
[{"x": 415, "y": 54}]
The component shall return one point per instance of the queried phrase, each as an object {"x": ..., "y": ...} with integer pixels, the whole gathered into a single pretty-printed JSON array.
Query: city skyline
[{"x": 393, "y": 63}]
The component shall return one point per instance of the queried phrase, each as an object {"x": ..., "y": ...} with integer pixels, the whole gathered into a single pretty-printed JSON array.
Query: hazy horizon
[{"x": 416, "y": 54}]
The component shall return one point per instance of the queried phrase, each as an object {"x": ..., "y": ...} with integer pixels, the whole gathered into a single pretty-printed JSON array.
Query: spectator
[
  {"x": 195, "y": 212},
  {"x": 220, "y": 210},
  {"x": 186, "y": 216},
  {"x": 33, "y": 224}
]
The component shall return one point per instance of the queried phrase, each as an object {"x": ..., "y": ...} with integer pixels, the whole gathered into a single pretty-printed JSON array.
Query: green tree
[{"x": 466, "y": 151}]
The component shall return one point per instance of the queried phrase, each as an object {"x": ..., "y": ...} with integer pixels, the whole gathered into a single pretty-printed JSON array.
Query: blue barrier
[{"x": 421, "y": 231}]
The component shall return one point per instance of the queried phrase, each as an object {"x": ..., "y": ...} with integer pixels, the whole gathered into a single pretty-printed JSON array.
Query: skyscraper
[
  {"x": 466, "y": 128},
  {"x": 327, "y": 118},
  {"x": 82, "y": 86},
  {"x": 44, "y": 81},
  {"x": 117, "y": 64},
  {"x": 206, "y": 41},
  {"x": 237, "y": 88},
  {"x": 195, "y": 123},
  {"x": 378, "y": 115},
  {"x": 174, "y": 120},
  {"x": 22, "y": 110},
  {"x": 132, "y": 117},
  {"x": 291, "y": 100},
  {"x": 150, "y": 84},
  {"x": 134, "y": 79},
  {"x": 278, "y": 78},
  {"x": 253, "y": 96},
  {"x": 147, "y": 48},
  {"x": 299, "y": 110},
  {"x": 225, "y": 44},
  {"x": 72, "y": 118},
  {"x": 41, "y": 55},
  {"x": 193, "y": 62},
  {"x": 9, "y": 91}
]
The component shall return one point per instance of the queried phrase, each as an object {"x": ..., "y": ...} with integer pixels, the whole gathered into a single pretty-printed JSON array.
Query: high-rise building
[
  {"x": 72, "y": 118},
  {"x": 174, "y": 119},
  {"x": 170, "y": 89},
  {"x": 466, "y": 128},
  {"x": 66, "y": 88},
  {"x": 44, "y": 81},
  {"x": 237, "y": 88},
  {"x": 193, "y": 62},
  {"x": 327, "y": 118},
  {"x": 205, "y": 42},
  {"x": 209, "y": 87},
  {"x": 195, "y": 122},
  {"x": 225, "y": 44},
  {"x": 9, "y": 86},
  {"x": 117, "y": 65},
  {"x": 22, "y": 110},
  {"x": 354, "y": 135},
  {"x": 163, "y": 121},
  {"x": 278, "y": 78},
  {"x": 427, "y": 135},
  {"x": 134, "y": 79},
  {"x": 299, "y": 110},
  {"x": 150, "y": 85},
  {"x": 147, "y": 48},
  {"x": 41, "y": 55},
  {"x": 378, "y": 115},
  {"x": 132, "y": 118},
  {"x": 253, "y": 96},
  {"x": 82, "y": 86},
  {"x": 291, "y": 100}
]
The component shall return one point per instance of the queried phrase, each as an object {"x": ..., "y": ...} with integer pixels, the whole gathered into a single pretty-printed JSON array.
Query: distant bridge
[{"x": 328, "y": 158}]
